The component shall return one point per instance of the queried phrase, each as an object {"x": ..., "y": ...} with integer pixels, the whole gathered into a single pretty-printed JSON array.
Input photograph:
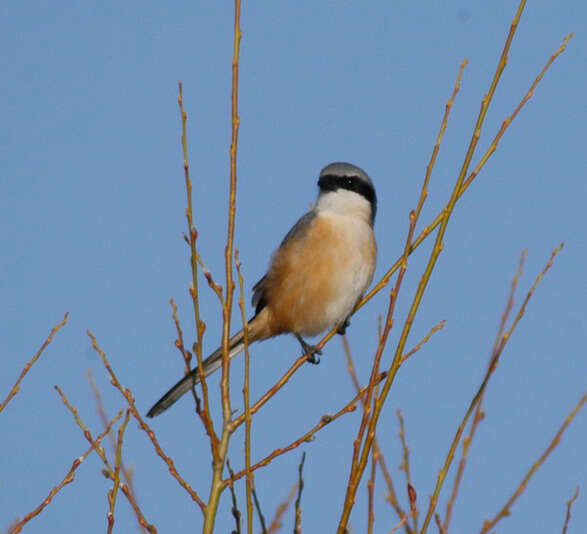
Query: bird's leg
[
  {"x": 310, "y": 350},
  {"x": 342, "y": 327}
]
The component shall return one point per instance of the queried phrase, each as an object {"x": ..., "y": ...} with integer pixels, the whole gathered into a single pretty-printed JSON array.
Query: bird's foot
[
  {"x": 342, "y": 328},
  {"x": 311, "y": 351}
]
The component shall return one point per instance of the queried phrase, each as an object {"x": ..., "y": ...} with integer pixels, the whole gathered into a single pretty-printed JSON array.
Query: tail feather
[{"x": 210, "y": 364}]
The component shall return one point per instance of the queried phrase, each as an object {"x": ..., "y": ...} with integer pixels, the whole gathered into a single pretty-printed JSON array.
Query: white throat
[{"x": 344, "y": 202}]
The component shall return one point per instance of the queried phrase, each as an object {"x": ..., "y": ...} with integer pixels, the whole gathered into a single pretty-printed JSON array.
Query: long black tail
[{"x": 210, "y": 364}]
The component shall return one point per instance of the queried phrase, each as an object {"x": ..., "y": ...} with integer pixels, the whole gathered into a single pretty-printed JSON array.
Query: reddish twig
[
  {"x": 235, "y": 511},
  {"x": 480, "y": 392},
  {"x": 570, "y": 503},
  {"x": 298, "y": 503},
  {"x": 401, "y": 523},
  {"x": 479, "y": 414},
  {"x": 127, "y": 394},
  {"x": 391, "y": 496},
  {"x": 424, "y": 340},
  {"x": 68, "y": 479},
  {"x": 113, "y": 493},
  {"x": 127, "y": 487},
  {"x": 191, "y": 239},
  {"x": 439, "y": 524},
  {"x": 506, "y": 509},
  {"x": 324, "y": 420},
  {"x": 371, "y": 492},
  {"x": 203, "y": 412},
  {"x": 259, "y": 512},
  {"x": 405, "y": 467},
  {"x": 14, "y": 390},
  {"x": 108, "y": 470},
  {"x": 361, "y": 448},
  {"x": 428, "y": 229},
  {"x": 246, "y": 398},
  {"x": 276, "y": 522}
]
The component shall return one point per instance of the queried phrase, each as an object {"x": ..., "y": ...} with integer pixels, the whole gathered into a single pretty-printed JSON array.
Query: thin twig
[
  {"x": 371, "y": 493},
  {"x": 246, "y": 399},
  {"x": 307, "y": 436},
  {"x": 437, "y": 248},
  {"x": 217, "y": 485},
  {"x": 570, "y": 503},
  {"x": 281, "y": 509},
  {"x": 506, "y": 509},
  {"x": 128, "y": 486},
  {"x": 14, "y": 390},
  {"x": 439, "y": 524},
  {"x": 192, "y": 236},
  {"x": 179, "y": 345},
  {"x": 127, "y": 394},
  {"x": 424, "y": 340},
  {"x": 479, "y": 414},
  {"x": 480, "y": 392},
  {"x": 235, "y": 511},
  {"x": 99, "y": 408},
  {"x": 271, "y": 391},
  {"x": 368, "y": 402},
  {"x": 113, "y": 493},
  {"x": 413, "y": 499},
  {"x": 401, "y": 523},
  {"x": 203, "y": 412},
  {"x": 405, "y": 467},
  {"x": 531, "y": 291},
  {"x": 429, "y": 228},
  {"x": 259, "y": 512},
  {"x": 357, "y": 467},
  {"x": 200, "y": 326},
  {"x": 492, "y": 148},
  {"x": 17, "y": 527},
  {"x": 285, "y": 378},
  {"x": 108, "y": 470},
  {"x": 391, "y": 496},
  {"x": 83, "y": 427},
  {"x": 298, "y": 504},
  {"x": 140, "y": 517},
  {"x": 383, "y": 282}
]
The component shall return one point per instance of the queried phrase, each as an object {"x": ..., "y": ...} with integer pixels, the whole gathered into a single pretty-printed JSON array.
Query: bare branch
[{"x": 14, "y": 390}]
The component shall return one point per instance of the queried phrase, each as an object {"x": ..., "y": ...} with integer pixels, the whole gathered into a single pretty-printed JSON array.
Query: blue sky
[{"x": 92, "y": 211}]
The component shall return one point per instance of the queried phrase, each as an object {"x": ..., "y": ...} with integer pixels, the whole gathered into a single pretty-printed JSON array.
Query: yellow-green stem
[
  {"x": 438, "y": 245},
  {"x": 218, "y": 464}
]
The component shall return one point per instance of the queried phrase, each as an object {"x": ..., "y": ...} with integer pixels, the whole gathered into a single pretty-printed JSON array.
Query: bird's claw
[
  {"x": 342, "y": 328},
  {"x": 311, "y": 351}
]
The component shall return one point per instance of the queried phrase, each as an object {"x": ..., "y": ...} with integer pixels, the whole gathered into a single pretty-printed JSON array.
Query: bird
[{"x": 317, "y": 275}]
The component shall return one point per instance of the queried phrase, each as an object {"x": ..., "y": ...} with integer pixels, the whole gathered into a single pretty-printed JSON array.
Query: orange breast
[{"x": 314, "y": 281}]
